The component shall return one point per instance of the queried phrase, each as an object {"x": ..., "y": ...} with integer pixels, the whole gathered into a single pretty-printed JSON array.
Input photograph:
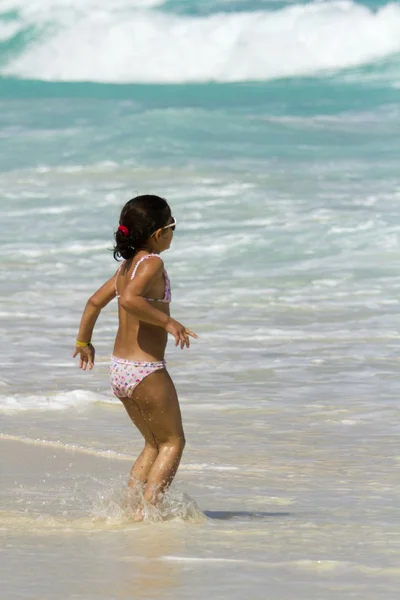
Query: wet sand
[{"x": 315, "y": 528}]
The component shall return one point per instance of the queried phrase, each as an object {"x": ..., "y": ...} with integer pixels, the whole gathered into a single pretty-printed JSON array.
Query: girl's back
[{"x": 138, "y": 339}]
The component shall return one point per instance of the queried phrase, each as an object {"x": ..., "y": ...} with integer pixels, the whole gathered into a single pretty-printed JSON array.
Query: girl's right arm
[
  {"x": 133, "y": 301},
  {"x": 93, "y": 307}
]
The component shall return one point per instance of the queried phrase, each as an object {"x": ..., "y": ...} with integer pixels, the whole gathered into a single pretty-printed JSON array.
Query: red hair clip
[{"x": 124, "y": 230}]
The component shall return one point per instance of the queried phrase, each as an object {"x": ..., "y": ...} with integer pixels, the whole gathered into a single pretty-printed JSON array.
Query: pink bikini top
[{"x": 167, "y": 285}]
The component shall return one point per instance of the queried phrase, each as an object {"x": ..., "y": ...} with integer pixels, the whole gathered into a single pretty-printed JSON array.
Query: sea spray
[
  {"x": 117, "y": 505},
  {"x": 124, "y": 43}
]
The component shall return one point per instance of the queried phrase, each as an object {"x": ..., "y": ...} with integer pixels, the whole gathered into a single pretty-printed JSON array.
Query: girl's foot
[{"x": 138, "y": 516}]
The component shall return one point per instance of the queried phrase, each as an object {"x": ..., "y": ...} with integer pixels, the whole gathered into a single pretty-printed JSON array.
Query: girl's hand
[
  {"x": 180, "y": 333},
  {"x": 87, "y": 356}
]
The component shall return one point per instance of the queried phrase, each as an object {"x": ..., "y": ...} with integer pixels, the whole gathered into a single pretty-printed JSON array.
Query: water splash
[{"x": 118, "y": 506}]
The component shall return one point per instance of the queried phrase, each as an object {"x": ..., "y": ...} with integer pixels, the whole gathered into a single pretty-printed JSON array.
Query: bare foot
[{"x": 138, "y": 516}]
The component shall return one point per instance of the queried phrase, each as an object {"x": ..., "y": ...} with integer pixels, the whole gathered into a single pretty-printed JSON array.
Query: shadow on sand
[{"x": 242, "y": 514}]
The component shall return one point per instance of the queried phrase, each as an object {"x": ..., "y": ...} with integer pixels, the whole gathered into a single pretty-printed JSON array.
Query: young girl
[{"x": 138, "y": 372}]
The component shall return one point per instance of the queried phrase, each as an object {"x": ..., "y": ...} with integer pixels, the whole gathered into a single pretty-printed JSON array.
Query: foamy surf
[
  {"x": 125, "y": 43},
  {"x": 113, "y": 508},
  {"x": 58, "y": 401},
  {"x": 111, "y": 454}
]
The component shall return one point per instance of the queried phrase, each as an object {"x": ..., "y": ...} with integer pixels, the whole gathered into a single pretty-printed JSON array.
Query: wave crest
[{"x": 124, "y": 44}]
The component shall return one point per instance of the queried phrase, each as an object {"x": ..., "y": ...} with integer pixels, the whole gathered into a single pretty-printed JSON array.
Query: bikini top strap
[
  {"x": 141, "y": 260},
  {"x": 116, "y": 279}
]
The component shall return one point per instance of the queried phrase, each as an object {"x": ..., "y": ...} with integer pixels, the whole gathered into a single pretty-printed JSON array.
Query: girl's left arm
[{"x": 93, "y": 307}]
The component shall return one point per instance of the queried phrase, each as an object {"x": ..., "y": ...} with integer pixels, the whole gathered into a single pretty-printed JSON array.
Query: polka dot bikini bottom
[{"x": 125, "y": 375}]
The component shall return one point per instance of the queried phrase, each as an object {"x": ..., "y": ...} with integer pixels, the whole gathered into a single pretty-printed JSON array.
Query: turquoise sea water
[{"x": 273, "y": 130}]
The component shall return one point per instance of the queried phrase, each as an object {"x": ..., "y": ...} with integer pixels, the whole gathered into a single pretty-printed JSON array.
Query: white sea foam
[
  {"x": 121, "y": 42},
  {"x": 40, "y": 7},
  {"x": 58, "y": 401},
  {"x": 68, "y": 447},
  {"x": 112, "y": 454},
  {"x": 8, "y": 30},
  {"x": 201, "y": 559}
]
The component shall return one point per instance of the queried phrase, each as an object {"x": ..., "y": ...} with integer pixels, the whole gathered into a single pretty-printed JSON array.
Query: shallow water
[{"x": 282, "y": 510}]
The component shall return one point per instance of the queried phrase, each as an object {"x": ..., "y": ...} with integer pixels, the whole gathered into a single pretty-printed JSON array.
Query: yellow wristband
[{"x": 81, "y": 344}]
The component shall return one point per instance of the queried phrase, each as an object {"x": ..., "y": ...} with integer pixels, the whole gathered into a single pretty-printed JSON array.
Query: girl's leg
[
  {"x": 143, "y": 464},
  {"x": 158, "y": 403}
]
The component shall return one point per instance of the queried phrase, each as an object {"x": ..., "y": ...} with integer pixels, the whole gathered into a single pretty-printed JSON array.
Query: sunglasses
[{"x": 172, "y": 225}]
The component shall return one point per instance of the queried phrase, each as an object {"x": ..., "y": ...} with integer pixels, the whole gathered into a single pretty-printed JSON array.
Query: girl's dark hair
[{"x": 141, "y": 216}]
